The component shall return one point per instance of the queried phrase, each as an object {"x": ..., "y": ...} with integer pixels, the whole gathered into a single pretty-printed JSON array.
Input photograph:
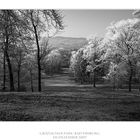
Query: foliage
[
  {"x": 122, "y": 47},
  {"x": 52, "y": 62},
  {"x": 86, "y": 62},
  {"x": 20, "y": 32}
]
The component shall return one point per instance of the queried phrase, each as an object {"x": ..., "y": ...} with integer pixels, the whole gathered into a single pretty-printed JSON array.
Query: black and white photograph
[
  {"x": 69, "y": 65},
  {"x": 69, "y": 70}
]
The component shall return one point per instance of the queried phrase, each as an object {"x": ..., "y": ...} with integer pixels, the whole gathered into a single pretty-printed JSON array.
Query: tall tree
[
  {"x": 3, "y": 62},
  {"x": 123, "y": 39},
  {"x": 41, "y": 21}
]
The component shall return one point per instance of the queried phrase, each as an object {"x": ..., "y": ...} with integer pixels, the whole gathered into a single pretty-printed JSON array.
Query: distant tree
[
  {"x": 86, "y": 63},
  {"x": 45, "y": 49},
  {"x": 92, "y": 55},
  {"x": 78, "y": 65},
  {"x": 53, "y": 62},
  {"x": 65, "y": 54}
]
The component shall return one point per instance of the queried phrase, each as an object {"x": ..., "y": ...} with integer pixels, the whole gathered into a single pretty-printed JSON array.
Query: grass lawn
[
  {"x": 72, "y": 104},
  {"x": 63, "y": 100}
]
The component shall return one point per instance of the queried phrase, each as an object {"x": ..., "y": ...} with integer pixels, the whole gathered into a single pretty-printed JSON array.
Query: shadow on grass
[{"x": 16, "y": 116}]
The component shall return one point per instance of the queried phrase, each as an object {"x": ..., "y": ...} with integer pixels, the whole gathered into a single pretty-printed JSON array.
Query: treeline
[
  {"x": 22, "y": 46},
  {"x": 113, "y": 58}
]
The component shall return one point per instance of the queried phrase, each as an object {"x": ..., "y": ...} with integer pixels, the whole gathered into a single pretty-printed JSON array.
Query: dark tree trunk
[
  {"x": 130, "y": 82},
  {"x": 11, "y": 81},
  {"x": 4, "y": 70},
  {"x": 18, "y": 73},
  {"x": 38, "y": 60},
  {"x": 130, "y": 77},
  {"x": 38, "y": 52},
  {"x": 31, "y": 79}
]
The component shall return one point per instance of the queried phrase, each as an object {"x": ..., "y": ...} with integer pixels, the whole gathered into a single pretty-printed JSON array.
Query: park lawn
[{"x": 79, "y": 103}]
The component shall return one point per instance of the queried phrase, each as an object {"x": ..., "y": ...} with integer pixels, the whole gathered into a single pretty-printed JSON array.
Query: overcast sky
[{"x": 83, "y": 23}]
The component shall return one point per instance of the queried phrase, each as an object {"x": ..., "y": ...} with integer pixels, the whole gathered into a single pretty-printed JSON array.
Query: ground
[{"x": 64, "y": 100}]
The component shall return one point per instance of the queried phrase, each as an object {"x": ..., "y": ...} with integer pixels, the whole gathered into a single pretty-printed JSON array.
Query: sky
[{"x": 83, "y": 23}]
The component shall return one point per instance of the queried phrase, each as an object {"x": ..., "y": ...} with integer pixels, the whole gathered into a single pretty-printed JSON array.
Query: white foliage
[
  {"x": 89, "y": 53},
  {"x": 121, "y": 46},
  {"x": 123, "y": 38}
]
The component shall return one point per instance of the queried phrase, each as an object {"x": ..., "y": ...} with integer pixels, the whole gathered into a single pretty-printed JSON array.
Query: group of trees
[
  {"x": 21, "y": 46},
  {"x": 86, "y": 63},
  {"x": 123, "y": 50},
  {"x": 116, "y": 57},
  {"x": 25, "y": 51}
]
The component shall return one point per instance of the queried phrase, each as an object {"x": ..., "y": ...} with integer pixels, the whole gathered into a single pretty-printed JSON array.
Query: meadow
[{"x": 64, "y": 100}]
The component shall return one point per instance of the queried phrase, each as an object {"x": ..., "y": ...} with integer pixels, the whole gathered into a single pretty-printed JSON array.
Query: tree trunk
[
  {"x": 11, "y": 81},
  {"x": 38, "y": 60},
  {"x": 4, "y": 70},
  {"x": 130, "y": 77},
  {"x": 38, "y": 51},
  {"x": 18, "y": 73},
  {"x": 130, "y": 82},
  {"x": 32, "y": 88}
]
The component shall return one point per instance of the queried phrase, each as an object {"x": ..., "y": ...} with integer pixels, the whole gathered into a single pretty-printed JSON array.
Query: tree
[
  {"x": 19, "y": 25},
  {"x": 117, "y": 74},
  {"x": 92, "y": 55},
  {"x": 65, "y": 54},
  {"x": 3, "y": 62},
  {"x": 78, "y": 65},
  {"x": 86, "y": 63},
  {"x": 123, "y": 39},
  {"x": 40, "y": 21},
  {"x": 53, "y": 62},
  {"x": 18, "y": 59},
  {"x": 30, "y": 66},
  {"x": 9, "y": 23}
]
